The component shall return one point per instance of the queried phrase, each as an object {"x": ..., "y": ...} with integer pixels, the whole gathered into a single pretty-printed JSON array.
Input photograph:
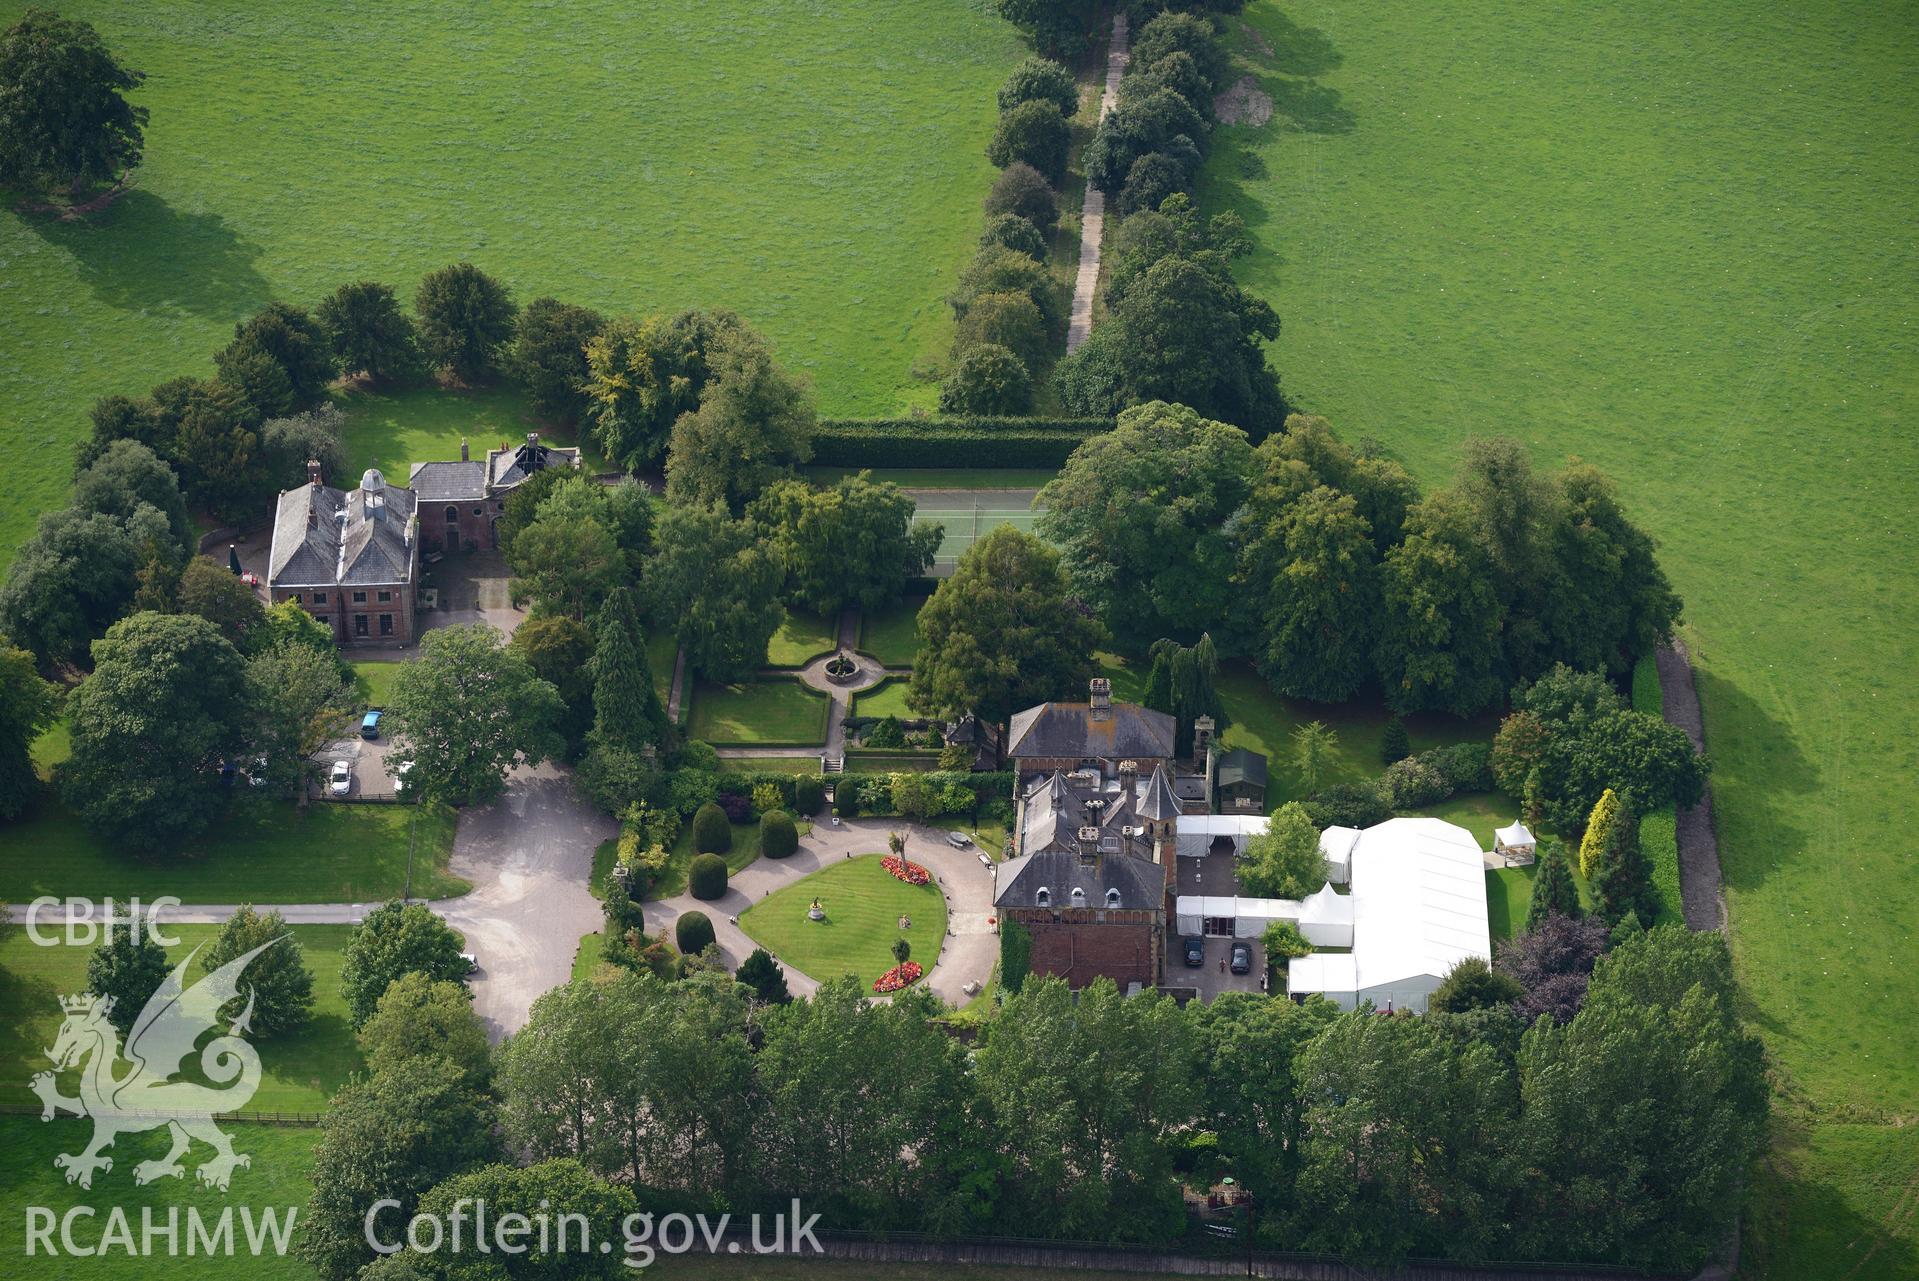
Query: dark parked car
[
  {"x": 1242, "y": 958},
  {"x": 1195, "y": 953}
]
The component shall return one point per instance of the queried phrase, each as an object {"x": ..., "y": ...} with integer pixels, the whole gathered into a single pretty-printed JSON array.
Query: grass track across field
[
  {"x": 816, "y": 169},
  {"x": 1677, "y": 243}
]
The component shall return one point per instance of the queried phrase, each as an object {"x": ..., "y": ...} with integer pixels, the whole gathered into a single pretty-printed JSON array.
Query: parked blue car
[{"x": 370, "y": 724}]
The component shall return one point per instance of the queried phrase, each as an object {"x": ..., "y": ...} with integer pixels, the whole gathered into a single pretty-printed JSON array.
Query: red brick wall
[
  {"x": 1081, "y": 951},
  {"x": 340, "y": 608},
  {"x": 470, "y": 532}
]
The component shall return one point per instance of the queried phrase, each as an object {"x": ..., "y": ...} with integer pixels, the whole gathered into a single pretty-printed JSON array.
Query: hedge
[
  {"x": 706, "y": 878},
  {"x": 1659, "y": 830},
  {"x": 692, "y": 932},
  {"x": 778, "y": 836},
  {"x": 712, "y": 834},
  {"x": 951, "y": 442}
]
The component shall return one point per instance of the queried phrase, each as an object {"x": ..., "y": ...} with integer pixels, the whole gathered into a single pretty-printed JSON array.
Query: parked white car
[{"x": 340, "y": 778}]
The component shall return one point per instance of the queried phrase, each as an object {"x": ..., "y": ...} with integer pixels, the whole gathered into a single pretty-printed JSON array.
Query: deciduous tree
[
  {"x": 1002, "y": 633},
  {"x": 295, "y": 342},
  {"x": 28, "y": 705},
  {"x": 420, "y": 1017},
  {"x": 126, "y": 969},
  {"x": 643, "y": 374},
  {"x": 465, "y": 317},
  {"x": 853, "y": 544},
  {"x": 368, "y": 332},
  {"x": 165, "y": 707},
  {"x": 1036, "y": 133},
  {"x": 466, "y": 711},
  {"x": 716, "y": 587},
  {"x": 1283, "y": 861},
  {"x": 392, "y": 941},
  {"x": 549, "y": 356},
  {"x": 276, "y": 984},
  {"x": 65, "y": 121}
]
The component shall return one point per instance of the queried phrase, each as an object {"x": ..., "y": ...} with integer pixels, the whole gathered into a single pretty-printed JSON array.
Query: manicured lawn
[
  {"x": 773, "y": 712},
  {"x": 888, "y": 698},
  {"x": 299, "y": 1071},
  {"x": 393, "y": 428},
  {"x": 1478, "y": 812},
  {"x": 262, "y": 852},
  {"x": 863, "y": 905},
  {"x": 1731, "y": 235},
  {"x": 770, "y": 765},
  {"x": 818, "y": 171},
  {"x": 373, "y": 681},
  {"x": 892, "y": 634},
  {"x": 800, "y": 639},
  {"x": 587, "y": 959}
]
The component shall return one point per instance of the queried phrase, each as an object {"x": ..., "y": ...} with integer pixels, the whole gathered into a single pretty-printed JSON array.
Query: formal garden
[
  {"x": 861, "y": 905},
  {"x": 1307, "y": 533}
]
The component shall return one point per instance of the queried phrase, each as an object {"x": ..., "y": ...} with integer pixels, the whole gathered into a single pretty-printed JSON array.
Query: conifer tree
[
  {"x": 1553, "y": 889},
  {"x": 1621, "y": 876},
  {"x": 1598, "y": 830},
  {"x": 1394, "y": 745},
  {"x": 626, "y": 706}
]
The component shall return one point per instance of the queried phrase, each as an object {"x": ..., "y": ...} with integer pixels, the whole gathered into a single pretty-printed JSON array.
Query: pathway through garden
[
  {"x": 1701, "y": 891},
  {"x": 1092, "y": 215},
  {"x": 967, "y": 952}
]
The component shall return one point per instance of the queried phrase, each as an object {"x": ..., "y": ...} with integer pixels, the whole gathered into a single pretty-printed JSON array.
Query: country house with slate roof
[
  {"x": 461, "y": 502},
  {"x": 351, "y": 558},
  {"x": 1095, "y": 835}
]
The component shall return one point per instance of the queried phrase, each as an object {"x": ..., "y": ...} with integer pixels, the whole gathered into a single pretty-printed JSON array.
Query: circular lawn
[{"x": 863, "y": 903}]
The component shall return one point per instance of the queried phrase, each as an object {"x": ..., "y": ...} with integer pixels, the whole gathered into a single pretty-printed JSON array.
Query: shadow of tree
[
  {"x": 1300, "y": 51},
  {"x": 142, "y": 254},
  {"x": 1766, "y": 782},
  {"x": 1308, "y": 106},
  {"x": 29, "y": 1007}
]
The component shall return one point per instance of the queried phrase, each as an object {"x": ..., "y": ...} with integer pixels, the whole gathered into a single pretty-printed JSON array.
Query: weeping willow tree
[{"x": 1184, "y": 683}]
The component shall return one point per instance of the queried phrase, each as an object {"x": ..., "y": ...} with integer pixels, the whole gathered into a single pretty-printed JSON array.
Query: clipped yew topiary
[
  {"x": 778, "y": 836},
  {"x": 692, "y": 932},
  {"x": 808, "y": 795},
  {"x": 712, "y": 834},
  {"x": 706, "y": 879}
]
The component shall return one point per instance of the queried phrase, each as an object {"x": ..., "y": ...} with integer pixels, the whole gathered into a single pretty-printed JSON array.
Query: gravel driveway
[{"x": 529, "y": 856}]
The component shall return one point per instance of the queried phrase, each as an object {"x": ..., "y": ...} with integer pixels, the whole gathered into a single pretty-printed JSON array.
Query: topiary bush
[
  {"x": 778, "y": 836},
  {"x": 712, "y": 834},
  {"x": 737, "y": 807},
  {"x": 706, "y": 879},
  {"x": 846, "y": 798},
  {"x": 692, "y": 932},
  {"x": 808, "y": 795}
]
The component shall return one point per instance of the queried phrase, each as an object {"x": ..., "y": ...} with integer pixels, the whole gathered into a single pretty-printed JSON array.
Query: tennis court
[{"x": 968, "y": 514}]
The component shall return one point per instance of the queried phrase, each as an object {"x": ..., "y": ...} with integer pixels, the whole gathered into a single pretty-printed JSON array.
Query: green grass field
[
  {"x": 662, "y": 650},
  {"x": 942, "y": 477},
  {"x": 373, "y": 681},
  {"x": 892, "y": 634},
  {"x": 275, "y": 1181},
  {"x": 261, "y": 851},
  {"x": 817, "y": 170},
  {"x": 299, "y": 1071},
  {"x": 1676, "y": 242},
  {"x": 863, "y": 903},
  {"x": 888, "y": 698},
  {"x": 776, "y": 711},
  {"x": 800, "y": 639},
  {"x": 672, "y": 878}
]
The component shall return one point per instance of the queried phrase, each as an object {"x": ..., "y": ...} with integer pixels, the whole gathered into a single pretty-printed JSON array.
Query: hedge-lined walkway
[{"x": 1092, "y": 217}]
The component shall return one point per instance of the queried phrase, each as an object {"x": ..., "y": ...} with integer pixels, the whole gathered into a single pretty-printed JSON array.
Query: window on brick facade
[
  {"x": 386, "y": 624},
  {"x": 385, "y": 597},
  {"x": 479, "y": 511},
  {"x": 359, "y": 598},
  {"x": 452, "y": 514},
  {"x": 359, "y": 624},
  {"x": 319, "y": 598},
  {"x": 295, "y": 597}
]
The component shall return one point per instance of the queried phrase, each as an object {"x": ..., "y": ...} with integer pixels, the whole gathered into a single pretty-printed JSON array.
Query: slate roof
[
  {"x": 1242, "y": 766},
  {"x": 314, "y": 547},
  {"x": 1140, "y": 882},
  {"x": 506, "y": 468},
  {"x": 1159, "y": 800},
  {"x": 451, "y": 482},
  {"x": 1069, "y": 730}
]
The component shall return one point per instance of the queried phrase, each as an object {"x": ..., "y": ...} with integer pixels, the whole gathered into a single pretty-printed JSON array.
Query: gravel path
[
  {"x": 966, "y": 954},
  {"x": 1092, "y": 216},
  {"x": 1701, "y": 891}
]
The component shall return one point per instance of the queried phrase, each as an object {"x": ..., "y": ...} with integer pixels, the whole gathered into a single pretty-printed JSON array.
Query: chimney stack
[
  {"x": 1128, "y": 779},
  {"x": 1100, "y": 692},
  {"x": 464, "y": 457},
  {"x": 1088, "y": 844},
  {"x": 533, "y": 440},
  {"x": 1202, "y": 736},
  {"x": 313, "y": 471}
]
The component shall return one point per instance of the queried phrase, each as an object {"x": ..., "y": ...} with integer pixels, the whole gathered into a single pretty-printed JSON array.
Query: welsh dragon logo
[{"x": 170, "y": 1025}]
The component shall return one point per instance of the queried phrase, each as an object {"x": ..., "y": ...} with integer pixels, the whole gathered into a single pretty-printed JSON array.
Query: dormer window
[
  {"x": 1044, "y": 898},
  {"x": 1112, "y": 899},
  {"x": 1079, "y": 897}
]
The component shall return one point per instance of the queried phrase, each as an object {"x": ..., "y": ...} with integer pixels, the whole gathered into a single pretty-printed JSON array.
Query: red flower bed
[
  {"x": 911, "y": 873},
  {"x": 899, "y": 976}
]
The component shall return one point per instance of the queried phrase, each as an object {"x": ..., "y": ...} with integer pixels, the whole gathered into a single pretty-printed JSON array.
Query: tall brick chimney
[
  {"x": 313, "y": 471},
  {"x": 464, "y": 457}
]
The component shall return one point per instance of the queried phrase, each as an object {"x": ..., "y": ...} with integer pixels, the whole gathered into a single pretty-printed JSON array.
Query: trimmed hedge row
[{"x": 951, "y": 442}]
